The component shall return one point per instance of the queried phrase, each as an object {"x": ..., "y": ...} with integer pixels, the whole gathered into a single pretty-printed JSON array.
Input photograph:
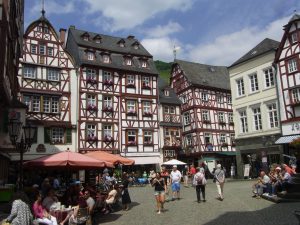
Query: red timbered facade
[
  {"x": 288, "y": 72},
  {"x": 45, "y": 75},
  {"x": 208, "y": 129},
  {"x": 117, "y": 96}
]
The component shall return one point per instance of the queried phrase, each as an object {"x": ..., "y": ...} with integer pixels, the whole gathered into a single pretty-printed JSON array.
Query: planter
[
  {"x": 108, "y": 139},
  {"x": 130, "y": 86},
  {"x": 146, "y": 87},
  {"x": 131, "y": 143},
  {"x": 92, "y": 139},
  {"x": 131, "y": 114},
  {"x": 92, "y": 108},
  {"x": 147, "y": 114},
  {"x": 108, "y": 82},
  {"x": 107, "y": 109},
  {"x": 91, "y": 81}
]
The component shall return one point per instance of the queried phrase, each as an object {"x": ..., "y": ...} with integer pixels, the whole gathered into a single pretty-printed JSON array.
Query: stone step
[
  {"x": 290, "y": 195},
  {"x": 278, "y": 199}
]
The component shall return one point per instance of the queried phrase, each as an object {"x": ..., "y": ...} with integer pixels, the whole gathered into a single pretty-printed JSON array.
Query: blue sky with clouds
[{"x": 215, "y": 32}]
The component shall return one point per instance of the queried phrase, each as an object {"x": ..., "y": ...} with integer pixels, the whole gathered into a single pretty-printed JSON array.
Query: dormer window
[
  {"x": 97, "y": 39},
  {"x": 128, "y": 62},
  {"x": 136, "y": 45},
  {"x": 167, "y": 93},
  {"x": 85, "y": 36},
  {"x": 294, "y": 37},
  {"x": 144, "y": 63},
  {"x": 90, "y": 56},
  {"x": 106, "y": 59},
  {"x": 122, "y": 45}
]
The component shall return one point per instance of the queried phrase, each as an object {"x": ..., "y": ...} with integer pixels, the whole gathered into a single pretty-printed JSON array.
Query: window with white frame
[
  {"x": 204, "y": 96},
  {"x": 222, "y": 138},
  {"x": 36, "y": 107},
  {"x": 243, "y": 121},
  {"x": 269, "y": 77},
  {"x": 91, "y": 74},
  {"x": 130, "y": 79},
  {"x": 42, "y": 49},
  {"x": 186, "y": 118},
  {"x": 47, "y": 104},
  {"x": 172, "y": 110},
  {"x": 167, "y": 92},
  {"x": 253, "y": 82},
  {"x": 91, "y": 131},
  {"x": 257, "y": 118},
  {"x": 107, "y": 101},
  {"x": 50, "y": 51},
  {"x": 53, "y": 74},
  {"x": 273, "y": 117},
  {"x": 207, "y": 138},
  {"x": 240, "y": 87},
  {"x": 292, "y": 65},
  {"x": 46, "y": 30},
  {"x": 29, "y": 72},
  {"x": 232, "y": 139},
  {"x": 144, "y": 64},
  {"x": 128, "y": 61},
  {"x": 205, "y": 115},
  {"x": 296, "y": 95},
  {"x": 147, "y": 107},
  {"x": 106, "y": 59},
  {"x": 27, "y": 101},
  {"x": 86, "y": 38},
  {"x": 221, "y": 117},
  {"x": 33, "y": 49},
  {"x": 148, "y": 137},
  {"x": 229, "y": 99},
  {"x": 131, "y": 137},
  {"x": 57, "y": 135},
  {"x": 131, "y": 106},
  {"x": 91, "y": 101},
  {"x": 107, "y": 132},
  {"x": 294, "y": 37},
  {"x": 230, "y": 117},
  {"x": 166, "y": 109},
  {"x": 90, "y": 55},
  {"x": 107, "y": 77},
  {"x": 146, "y": 81},
  {"x": 219, "y": 98},
  {"x": 189, "y": 140}
]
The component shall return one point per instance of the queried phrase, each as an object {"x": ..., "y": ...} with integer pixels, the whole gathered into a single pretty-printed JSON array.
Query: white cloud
[
  {"x": 53, "y": 7},
  {"x": 226, "y": 49},
  {"x": 127, "y": 14},
  {"x": 162, "y": 31}
]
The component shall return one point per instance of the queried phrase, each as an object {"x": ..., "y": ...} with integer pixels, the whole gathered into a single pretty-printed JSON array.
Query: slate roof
[
  {"x": 109, "y": 44},
  {"x": 265, "y": 46},
  {"x": 205, "y": 75},
  {"x": 295, "y": 17},
  {"x": 172, "y": 98}
]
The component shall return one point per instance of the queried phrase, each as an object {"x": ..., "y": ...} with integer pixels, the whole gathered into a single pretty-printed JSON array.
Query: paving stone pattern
[{"x": 238, "y": 208}]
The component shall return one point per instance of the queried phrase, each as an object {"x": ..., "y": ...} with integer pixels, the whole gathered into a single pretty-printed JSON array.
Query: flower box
[
  {"x": 231, "y": 123},
  {"x": 206, "y": 121},
  {"x": 130, "y": 85},
  {"x": 224, "y": 145},
  {"x": 148, "y": 143},
  {"x": 146, "y": 86},
  {"x": 108, "y": 138},
  {"x": 108, "y": 109},
  {"x": 92, "y": 138},
  {"x": 147, "y": 114},
  {"x": 131, "y": 113},
  {"x": 108, "y": 82},
  {"x": 222, "y": 123},
  {"x": 91, "y": 81},
  {"x": 92, "y": 108},
  {"x": 131, "y": 143},
  {"x": 233, "y": 145}
]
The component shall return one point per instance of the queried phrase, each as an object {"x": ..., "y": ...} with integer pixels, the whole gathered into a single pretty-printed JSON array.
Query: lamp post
[{"x": 21, "y": 137}]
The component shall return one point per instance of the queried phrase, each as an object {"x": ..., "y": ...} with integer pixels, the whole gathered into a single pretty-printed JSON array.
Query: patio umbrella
[
  {"x": 112, "y": 158},
  {"x": 69, "y": 160},
  {"x": 173, "y": 162}
]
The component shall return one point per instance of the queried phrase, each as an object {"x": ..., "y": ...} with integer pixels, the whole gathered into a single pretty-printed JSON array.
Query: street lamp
[{"x": 22, "y": 145}]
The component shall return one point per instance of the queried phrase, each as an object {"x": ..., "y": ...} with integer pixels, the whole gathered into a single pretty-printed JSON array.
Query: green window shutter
[
  {"x": 69, "y": 135},
  {"x": 46, "y": 134}
]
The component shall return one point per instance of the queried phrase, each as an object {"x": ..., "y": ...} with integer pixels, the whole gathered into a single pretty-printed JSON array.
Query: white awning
[{"x": 287, "y": 139}]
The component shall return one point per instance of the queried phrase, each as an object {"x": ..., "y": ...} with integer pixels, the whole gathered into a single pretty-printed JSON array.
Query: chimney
[
  {"x": 130, "y": 37},
  {"x": 62, "y": 35}
]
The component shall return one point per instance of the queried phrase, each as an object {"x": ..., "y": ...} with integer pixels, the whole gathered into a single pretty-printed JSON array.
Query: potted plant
[
  {"x": 131, "y": 112},
  {"x": 148, "y": 143},
  {"x": 92, "y": 107},
  {"x": 108, "y": 138},
  {"x": 92, "y": 138},
  {"x": 147, "y": 114},
  {"x": 222, "y": 123},
  {"x": 91, "y": 80},
  {"x": 206, "y": 121},
  {"x": 146, "y": 86},
  {"x": 108, "y": 82},
  {"x": 131, "y": 143},
  {"x": 130, "y": 85},
  {"x": 107, "y": 109}
]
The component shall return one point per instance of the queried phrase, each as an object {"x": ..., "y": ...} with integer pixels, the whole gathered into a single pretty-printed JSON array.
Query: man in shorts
[{"x": 175, "y": 177}]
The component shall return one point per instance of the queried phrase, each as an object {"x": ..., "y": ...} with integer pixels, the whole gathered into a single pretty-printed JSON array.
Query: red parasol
[{"x": 112, "y": 158}]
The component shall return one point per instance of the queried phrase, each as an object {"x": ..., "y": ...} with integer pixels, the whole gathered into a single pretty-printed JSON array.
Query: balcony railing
[{"x": 172, "y": 118}]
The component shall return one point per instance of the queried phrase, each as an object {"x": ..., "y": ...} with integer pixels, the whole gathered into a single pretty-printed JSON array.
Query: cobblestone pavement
[{"x": 237, "y": 208}]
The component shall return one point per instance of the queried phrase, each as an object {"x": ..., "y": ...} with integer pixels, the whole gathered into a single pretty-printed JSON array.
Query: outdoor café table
[{"x": 60, "y": 214}]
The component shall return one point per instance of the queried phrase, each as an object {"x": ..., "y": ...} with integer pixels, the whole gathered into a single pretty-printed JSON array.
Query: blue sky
[{"x": 216, "y": 32}]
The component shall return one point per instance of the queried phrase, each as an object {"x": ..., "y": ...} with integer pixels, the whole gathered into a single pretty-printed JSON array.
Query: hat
[
  {"x": 277, "y": 168},
  {"x": 219, "y": 166},
  {"x": 174, "y": 166}
]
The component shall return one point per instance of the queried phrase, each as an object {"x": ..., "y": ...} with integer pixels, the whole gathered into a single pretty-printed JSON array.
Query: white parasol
[{"x": 173, "y": 162}]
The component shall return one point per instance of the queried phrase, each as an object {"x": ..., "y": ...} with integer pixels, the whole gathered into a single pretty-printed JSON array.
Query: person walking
[
  {"x": 185, "y": 173},
  {"x": 166, "y": 176},
  {"x": 125, "y": 194},
  {"x": 199, "y": 182},
  {"x": 219, "y": 177},
  {"x": 159, "y": 191},
  {"x": 175, "y": 177}
]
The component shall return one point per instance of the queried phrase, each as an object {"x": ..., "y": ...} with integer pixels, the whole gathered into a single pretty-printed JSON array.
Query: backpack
[{"x": 199, "y": 179}]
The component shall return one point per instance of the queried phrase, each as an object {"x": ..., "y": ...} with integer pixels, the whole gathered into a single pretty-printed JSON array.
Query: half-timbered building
[
  {"x": 45, "y": 75},
  {"x": 208, "y": 129},
  {"x": 170, "y": 123},
  {"x": 118, "y": 96},
  {"x": 255, "y": 106},
  {"x": 287, "y": 61},
  {"x": 11, "y": 33}
]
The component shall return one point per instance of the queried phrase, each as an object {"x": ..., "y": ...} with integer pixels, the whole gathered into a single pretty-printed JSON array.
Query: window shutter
[
  {"x": 46, "y": 134},
  {"x": 5, "y": 120},
  {"x": 69, "y": 135}
]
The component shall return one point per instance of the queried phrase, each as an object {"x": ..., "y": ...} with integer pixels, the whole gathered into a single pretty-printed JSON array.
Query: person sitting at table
[
  {"x": 50, "y": 200},
  {"x": 111, "y": 199},
  {"x": 41, "y": 214},
  {"x": 45, "y": 187},
  {"x": 89, "y": 201}
]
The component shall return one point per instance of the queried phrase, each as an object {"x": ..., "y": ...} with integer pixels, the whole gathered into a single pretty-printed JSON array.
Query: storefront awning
[
  {"x": 286, "y": 139},
  {"x": 209, "y": 158},
  {"x": 231, "y": 153}
]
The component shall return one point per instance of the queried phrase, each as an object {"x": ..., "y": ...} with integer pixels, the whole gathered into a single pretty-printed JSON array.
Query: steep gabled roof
[
  {"x": 263, "y": 47},
  {"x": 172, "y": 98},
  {"x": 205, "y": 75}
]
